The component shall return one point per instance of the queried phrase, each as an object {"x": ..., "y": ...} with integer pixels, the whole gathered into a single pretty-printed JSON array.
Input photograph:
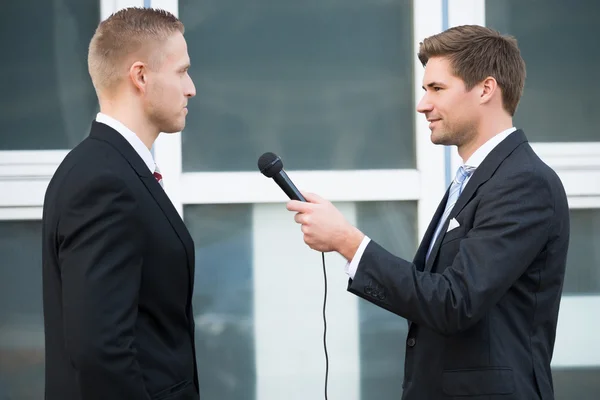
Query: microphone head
[{"x": 270, "y": 164}]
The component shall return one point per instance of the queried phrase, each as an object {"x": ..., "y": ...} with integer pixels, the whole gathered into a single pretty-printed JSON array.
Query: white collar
[
  {"x": 482, "y": 152},
  {"x": 131, "y": 137}
]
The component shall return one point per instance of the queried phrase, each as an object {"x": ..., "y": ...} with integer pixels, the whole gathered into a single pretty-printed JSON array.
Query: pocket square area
[{"x": 452, "y": 224}]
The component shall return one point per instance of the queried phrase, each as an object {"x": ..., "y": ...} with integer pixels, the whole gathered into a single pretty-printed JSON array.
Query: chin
[
  {"x": 437, "y": 139},
  {"x": 173, "y": 128},
  {"x": 441, "y": 139}
]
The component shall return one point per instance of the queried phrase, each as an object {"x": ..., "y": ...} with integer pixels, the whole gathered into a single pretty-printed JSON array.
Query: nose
[
  {"x": 190, "y": 89},
  {"x": 424, "y": 105}
]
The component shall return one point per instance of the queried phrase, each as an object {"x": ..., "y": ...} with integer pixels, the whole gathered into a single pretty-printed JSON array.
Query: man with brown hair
[
  {"x": 118, "y": 261},
  {"x": 482, "y": 293}
]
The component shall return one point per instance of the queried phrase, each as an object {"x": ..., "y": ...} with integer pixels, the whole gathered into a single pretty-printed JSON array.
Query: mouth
[{"x": 432, "y": 122}]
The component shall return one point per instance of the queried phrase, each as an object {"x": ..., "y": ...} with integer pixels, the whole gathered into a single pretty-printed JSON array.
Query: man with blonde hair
[
  {"x": 118, "y": 261},
  {"x": 483, "y": 291}
]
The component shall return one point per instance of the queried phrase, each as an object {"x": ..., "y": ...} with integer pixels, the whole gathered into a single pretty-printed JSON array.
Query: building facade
[{"x": 331, "y": 86}]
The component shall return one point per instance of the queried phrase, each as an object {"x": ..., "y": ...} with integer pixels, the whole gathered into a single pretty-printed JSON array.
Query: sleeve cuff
[{"x": 352, "y": 265}]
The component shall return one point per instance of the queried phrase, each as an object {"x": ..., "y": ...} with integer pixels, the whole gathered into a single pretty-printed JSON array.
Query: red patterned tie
[{"x": 158, "y": 176}]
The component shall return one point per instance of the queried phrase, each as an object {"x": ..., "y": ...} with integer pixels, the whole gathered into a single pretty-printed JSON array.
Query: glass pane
[
  {"x": 325, "y": 85},
  {"x": 229, "y": 300},
  {"x": 382, "y": 334},
  {"x": 583, "y": 259},
  {"x": 47, "y": 100},
  {"x": 557, "y": 39},
  {"x": 576, "y": 383},
  {"x": 21, "y": 319},
  {"x": 223, "y": 299}
]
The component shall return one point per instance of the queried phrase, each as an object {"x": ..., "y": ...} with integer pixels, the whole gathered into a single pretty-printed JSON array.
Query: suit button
[{"x": 411, "y": 342}]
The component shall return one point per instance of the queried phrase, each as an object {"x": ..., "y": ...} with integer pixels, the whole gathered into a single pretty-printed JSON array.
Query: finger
[
  {"x": 298, "y": 218},
  {"x": 299, "y": 206},
  {"x": 313, "y": 198}
]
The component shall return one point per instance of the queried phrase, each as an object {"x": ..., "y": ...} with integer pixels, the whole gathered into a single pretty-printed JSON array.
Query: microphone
[{"x": 271, "y": 166}]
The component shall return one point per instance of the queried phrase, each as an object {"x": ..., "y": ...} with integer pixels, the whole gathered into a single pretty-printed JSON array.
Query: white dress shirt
[
  {"x": 131, "y": 137},
  {"x": 474, "y": 161}
]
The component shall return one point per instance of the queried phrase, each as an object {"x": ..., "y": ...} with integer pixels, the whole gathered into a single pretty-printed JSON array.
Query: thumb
[{"x": 313, "y": 198}]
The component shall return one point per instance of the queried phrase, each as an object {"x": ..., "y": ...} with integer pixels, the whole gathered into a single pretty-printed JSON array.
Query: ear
[
  {"x": 138, "y": 75},
  {"x": 488, "y": 88}
]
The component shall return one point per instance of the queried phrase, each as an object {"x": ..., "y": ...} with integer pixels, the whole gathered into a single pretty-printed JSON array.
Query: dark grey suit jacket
[
  {"x": 483, "y": 309},
  {"x": 118, "y": 267}
]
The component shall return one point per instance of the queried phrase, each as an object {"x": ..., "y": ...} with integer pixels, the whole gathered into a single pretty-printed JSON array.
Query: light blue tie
[{"x": 455, "y": 190}]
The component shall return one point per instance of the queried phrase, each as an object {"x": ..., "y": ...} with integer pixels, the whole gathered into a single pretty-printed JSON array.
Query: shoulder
[
  {"x": 91, "y": 170},
  {"x": 525, "y": 177},
  {"x": 524, "y": 165},
  {"x": 88, "y": 162}
]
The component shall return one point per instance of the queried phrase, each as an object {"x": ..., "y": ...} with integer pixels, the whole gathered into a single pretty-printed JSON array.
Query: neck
[
  {"x": 484, "y": 132},
  {"x": 130, "y": 114}
]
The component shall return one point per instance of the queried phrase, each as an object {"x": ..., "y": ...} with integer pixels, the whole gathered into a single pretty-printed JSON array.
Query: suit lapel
[
  {"x": 103, "y": 132},
  {"x": 481, "y": 175},
  {"x": 487, "y": 168},
  {"x": 419, "y": 259}
]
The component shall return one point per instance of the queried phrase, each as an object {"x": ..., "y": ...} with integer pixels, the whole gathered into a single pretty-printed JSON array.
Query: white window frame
[{"x": 578, "y": 166}]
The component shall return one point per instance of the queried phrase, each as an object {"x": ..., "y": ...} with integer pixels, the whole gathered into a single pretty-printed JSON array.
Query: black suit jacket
[
  {"x": 118, "y": 267},
  {"x": 483, "y": 309}
]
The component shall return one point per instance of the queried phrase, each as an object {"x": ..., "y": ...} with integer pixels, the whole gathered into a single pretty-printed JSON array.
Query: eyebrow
[{"x": 432, "y": 84}]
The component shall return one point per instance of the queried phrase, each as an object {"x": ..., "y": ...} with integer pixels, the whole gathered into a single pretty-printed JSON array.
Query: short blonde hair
[{"x": 127, "y": 32}]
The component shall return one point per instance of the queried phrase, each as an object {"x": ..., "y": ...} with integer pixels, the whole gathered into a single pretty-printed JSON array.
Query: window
[
  {"x": 331, "y": 87},
  {"x": 327, "y": 85},
  {"x": 258, "y": 303},
  {"x": 21, "y": 319},
  {"x": 47, "y": 99},
  {"x": 557, "y": 40}
]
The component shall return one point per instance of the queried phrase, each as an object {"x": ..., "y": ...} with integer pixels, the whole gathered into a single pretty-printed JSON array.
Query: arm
[
  {"x": 510, "y": 229},
  {"x": 101, "y": 264}
]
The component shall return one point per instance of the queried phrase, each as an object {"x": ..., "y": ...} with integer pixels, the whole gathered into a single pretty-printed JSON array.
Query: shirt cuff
[{"x": 352, "y": 265}]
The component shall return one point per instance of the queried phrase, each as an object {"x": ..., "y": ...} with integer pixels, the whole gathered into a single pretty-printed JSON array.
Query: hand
[{"x": 324, "y": 227}]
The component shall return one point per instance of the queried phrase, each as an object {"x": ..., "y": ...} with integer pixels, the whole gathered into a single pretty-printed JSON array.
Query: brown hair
[
  {"x": 475, "y": 53},
  {"x": 128, "y": 31}
]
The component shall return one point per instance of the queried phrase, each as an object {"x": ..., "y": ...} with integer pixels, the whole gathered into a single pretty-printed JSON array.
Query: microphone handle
[{"x": 288, "y": 187}]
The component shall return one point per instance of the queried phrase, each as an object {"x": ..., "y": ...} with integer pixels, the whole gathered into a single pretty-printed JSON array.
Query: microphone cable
[{"x": 325, "y": 325}]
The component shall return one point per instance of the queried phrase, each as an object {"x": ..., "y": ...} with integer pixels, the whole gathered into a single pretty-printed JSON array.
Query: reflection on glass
[
  {"x": 583, "y": 259},
  {"x": 47, "y": 100},
  {"x": 21, "y": 320},
  {"x": 223, "y": 300},
  {"x": 383, "y": 334},
  {"x": 556, "y": 40},
  {"x": 324, "y": 84}
]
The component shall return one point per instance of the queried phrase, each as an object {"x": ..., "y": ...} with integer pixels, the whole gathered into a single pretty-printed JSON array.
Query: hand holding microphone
[{"x": 324, "y": 227}]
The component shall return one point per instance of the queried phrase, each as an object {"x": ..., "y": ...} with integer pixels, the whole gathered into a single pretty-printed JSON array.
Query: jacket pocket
[
  {"x": 478, "y": 382},
  {"x": 456, "y": 233},
  {"x": 173, "y": 391}
]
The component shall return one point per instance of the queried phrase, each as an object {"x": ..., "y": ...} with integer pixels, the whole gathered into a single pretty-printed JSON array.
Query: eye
[{"x": 437, "y": 88}]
